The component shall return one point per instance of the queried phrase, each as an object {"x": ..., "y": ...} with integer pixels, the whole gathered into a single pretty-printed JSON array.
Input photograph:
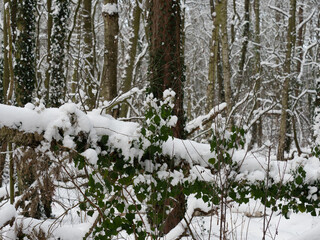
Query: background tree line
[{"x": 261, "y": 58}]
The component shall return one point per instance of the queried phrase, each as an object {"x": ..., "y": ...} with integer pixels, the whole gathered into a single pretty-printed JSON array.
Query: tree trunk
[
  {"x": 3, "y": 150},
  {"x": 166, "y": 71},
  {"x": 6, "y": 71},
  {"x": 24, "y": 68},
  {"x": 58, "y": 39},
  {"x": 132, "y": 55},
  {"x": 244, "y": 48},
  {"x": 111, "y": 30},
  {"x": 49, "y": 57},
  {"x": 166, "y": 60},
  {"x": 88, "y": 53},
  {"x": 257, "y": 126},
  {"x": 223, "y": 5},
  {"x": 287, "y": 71},
  {"x": 11, "y": 174},
  {"x": 213, "y": 61}
]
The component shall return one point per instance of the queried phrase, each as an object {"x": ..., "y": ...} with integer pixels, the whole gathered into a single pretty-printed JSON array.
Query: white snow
[
  {"x": 110, "y": 8},
  {"x": 7, "y": 213},
  {"x": 197, "y": 122},
  {"x": 91, "y": 155}
]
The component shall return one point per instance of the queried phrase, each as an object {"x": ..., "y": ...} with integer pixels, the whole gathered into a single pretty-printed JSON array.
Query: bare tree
[
  {"x": 108, "y": 89},
  {"x": 291, "y": 38}
]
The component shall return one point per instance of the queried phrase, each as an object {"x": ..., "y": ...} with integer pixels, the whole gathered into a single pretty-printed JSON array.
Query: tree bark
[
  {"x": 285, "y": 89},
  {"x": 25, "y": 76},
  {"x": 49, "y": 57},
  {"x": 111, "y": 30},
  {"x": 132, "y": 55},
  {"x": 166, "y": 70},
  {"x": 225, "y": 53},
  {"x": 166, "y": 60},
  {"x": 3, "y": 150},
  {"x": 88, "y": 53},
  {"x": 257, "y": 126},
  {"x": 244, "y": 47},
  {"x": 6, "y": 71},
  {"x": 213, "y": 61}
]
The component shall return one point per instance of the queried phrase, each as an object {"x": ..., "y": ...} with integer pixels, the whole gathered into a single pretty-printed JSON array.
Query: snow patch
[
  {"x": 110, "y": 8},
  {"x": 91, "y": 155}
]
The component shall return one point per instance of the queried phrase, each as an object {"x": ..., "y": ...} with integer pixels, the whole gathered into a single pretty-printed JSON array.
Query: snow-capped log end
[{"x": 110, "y": 9}]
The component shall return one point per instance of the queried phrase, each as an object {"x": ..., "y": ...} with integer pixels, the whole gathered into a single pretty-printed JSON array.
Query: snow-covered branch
[{"x": 198, "y": 122}]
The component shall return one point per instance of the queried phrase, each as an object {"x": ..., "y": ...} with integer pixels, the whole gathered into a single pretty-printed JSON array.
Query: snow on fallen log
[
  {"x": 64, "y": 123},
  {"x": 34, "y": 124}
]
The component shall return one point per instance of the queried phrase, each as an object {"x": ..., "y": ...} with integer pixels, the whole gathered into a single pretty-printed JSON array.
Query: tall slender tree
[
  {"x": 291, "y": 38},
  {"x": 24, "y": 69},
  {"x": 110, "y": 13},
  {"x": 58, "y": 37},
  {"x": 244, "y": 48},
  {"x": 49, "y": 56},
  {"x": 222, "y": 12},
  {"x": 132, "y": 54},
  {"x": 213, "y": 60},
  {"x": 257, "y": 126},
  {"x": 88, "y": 53},
  {"x": 6, "y": 72}
]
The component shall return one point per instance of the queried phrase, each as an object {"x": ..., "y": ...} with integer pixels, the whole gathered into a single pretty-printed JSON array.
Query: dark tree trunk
[
  {"x": 167, "y": 71},
  {"x": 88, "y": 52},
  {"x": 166, "y": 60}
]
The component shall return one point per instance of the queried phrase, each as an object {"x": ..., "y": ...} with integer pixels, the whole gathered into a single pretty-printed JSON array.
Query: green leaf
[
  {"x": 90, "y": 213},
  {"x": 301, "y": 208},
  {"x": 157, "y": 120},
  {"x": 299, "y": 180},
  {"x": 212, "y": 161}
]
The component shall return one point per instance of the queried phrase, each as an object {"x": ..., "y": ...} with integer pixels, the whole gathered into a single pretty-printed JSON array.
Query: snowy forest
[{"x": 160, "y": 119}]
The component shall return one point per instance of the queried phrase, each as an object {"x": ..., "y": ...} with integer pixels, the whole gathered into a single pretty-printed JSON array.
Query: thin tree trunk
[
  {"x": 76, "y": 66},
  {"x": 3, "y": 149},
  {"x": 9, "y": 92},
  {"x": 257, "y": 126},
  {"x": 6, "y": 71},
  {"x": 111, "y": 30},
  {"x": 225, "y": 54},
  {"x": 49, "y": 56},
  {"x": 213, "y": 61},
  {"x": 11, "y": 174},
  {"x": 132, "y": 55},
  {"x": 244, "y": 48},
  {"x": 88, "y": 53},
  {"x": 286, "y": 84}
]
